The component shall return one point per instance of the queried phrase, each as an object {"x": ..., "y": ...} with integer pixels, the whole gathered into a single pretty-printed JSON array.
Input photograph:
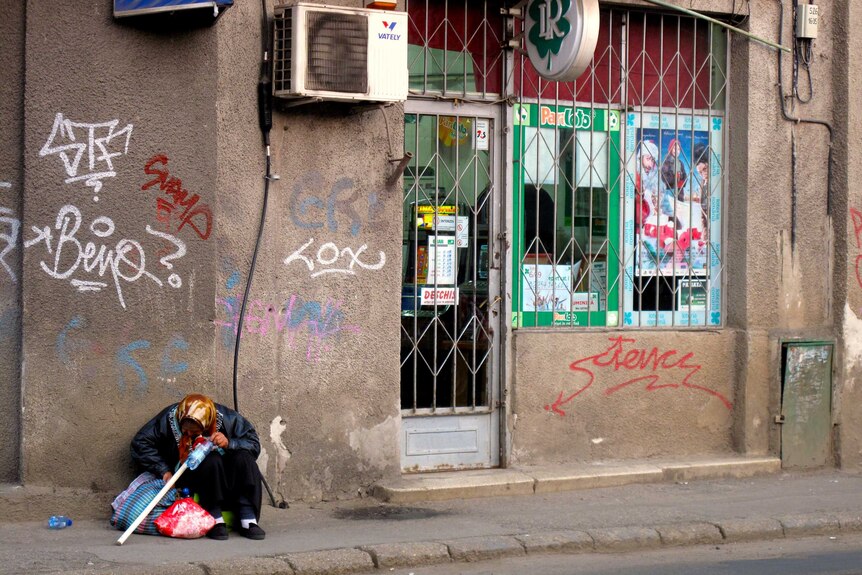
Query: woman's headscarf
[{"x": 200, "y": 409}]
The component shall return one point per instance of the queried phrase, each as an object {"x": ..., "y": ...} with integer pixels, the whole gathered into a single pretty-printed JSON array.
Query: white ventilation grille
[
  {"x": 282, "y": 53},
  {"x": 337, "y": 52},
  {"x": 334, "y": 53}
]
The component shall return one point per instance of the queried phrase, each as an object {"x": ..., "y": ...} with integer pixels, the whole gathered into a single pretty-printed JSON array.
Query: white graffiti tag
[
  {"x": 329, "y": 255},
  {"x": 10, "y": 227},
  {"x": 10, "y": 237},
  {"x": 71, "y": 140},
  {"x": 126, "y": 261}
]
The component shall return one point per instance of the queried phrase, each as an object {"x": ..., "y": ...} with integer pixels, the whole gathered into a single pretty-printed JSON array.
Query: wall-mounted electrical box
[
  {"x": 807, "y": 21},
  {"x": 339, "y": 53},
  {"x": 207, "y": 10}
]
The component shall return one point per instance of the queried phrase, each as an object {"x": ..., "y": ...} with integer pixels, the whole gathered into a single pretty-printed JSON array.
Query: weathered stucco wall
[
  {"x": 617, "y": 395},
  {"x": 127, "y": 306},
  {"x": 318, "y": 360},
  {"x": 848, "y": 232},
  {"x": 118, "y": 304},
  {"x": 11, "y": 182},
  {"x": 779, "y": 287}
]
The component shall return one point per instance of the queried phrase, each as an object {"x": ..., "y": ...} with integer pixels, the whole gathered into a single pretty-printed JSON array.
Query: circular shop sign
[{"x": 561, "y": 36}]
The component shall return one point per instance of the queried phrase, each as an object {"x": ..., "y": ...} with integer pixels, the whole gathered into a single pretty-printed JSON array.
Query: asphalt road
[{"x": 840, "y": 555}]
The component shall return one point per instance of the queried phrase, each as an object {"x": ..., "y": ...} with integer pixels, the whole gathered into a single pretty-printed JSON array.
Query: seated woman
[{"x": 227, "y": 479}]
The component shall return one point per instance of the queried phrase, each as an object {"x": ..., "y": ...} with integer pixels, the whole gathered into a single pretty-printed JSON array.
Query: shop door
[{"x": 451, "y": 302}]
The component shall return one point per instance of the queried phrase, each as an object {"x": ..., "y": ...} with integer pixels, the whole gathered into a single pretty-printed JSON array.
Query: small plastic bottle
[
  {"x": 198, "y": 454},
  {"x": 59, "y": 522}
]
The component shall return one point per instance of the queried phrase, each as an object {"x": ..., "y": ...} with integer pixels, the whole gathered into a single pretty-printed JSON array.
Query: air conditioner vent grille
[
  {"x": 337, "y": 52},
  {"x": 282, "y": 52}
]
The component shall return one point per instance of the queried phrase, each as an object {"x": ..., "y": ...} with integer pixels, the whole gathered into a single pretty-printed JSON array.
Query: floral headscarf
[{"x": 200, "y": 409}]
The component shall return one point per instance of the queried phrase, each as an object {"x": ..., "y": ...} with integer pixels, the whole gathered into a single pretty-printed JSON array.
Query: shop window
[
  {"x": 618, "y": 209},
  {"x": 455, "y": 48}
]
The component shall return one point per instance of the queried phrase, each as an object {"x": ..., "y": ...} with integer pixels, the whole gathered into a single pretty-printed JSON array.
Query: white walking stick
[{"x": 152, "y": 504}]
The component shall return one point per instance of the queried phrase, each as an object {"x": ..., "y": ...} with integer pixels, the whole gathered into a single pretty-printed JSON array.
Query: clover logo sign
[
  {"x": 561, "y": 36},
  {"x": 550, "y": 26}
]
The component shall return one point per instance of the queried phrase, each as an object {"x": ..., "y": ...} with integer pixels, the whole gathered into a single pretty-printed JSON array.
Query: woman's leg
[
  {"x": 209, "y": 481},
  {"x": 243, "y": 479}
]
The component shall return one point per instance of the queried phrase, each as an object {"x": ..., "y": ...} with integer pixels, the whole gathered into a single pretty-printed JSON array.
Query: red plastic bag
[{"x": 185, "y": 519}]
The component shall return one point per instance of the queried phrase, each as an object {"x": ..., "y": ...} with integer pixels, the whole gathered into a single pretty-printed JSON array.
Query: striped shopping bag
[{"x": 129, "y": 509}]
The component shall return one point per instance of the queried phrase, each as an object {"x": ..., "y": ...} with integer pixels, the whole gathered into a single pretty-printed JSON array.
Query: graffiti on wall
[
  {"x": 337, "y": 210},
  {"x": 10, "y": 230},
  {"x": 87, "y": 150},
  {"x": 177, "y": 207},
  {"x": 73, "y": 342},
  {"x": 314, "y": 325},
  {"x": 651, "y": 368},
  {"x": 856, "y": 218},
  {"x": 329, "y": 259},
  {"x": 85, "y": 264}
]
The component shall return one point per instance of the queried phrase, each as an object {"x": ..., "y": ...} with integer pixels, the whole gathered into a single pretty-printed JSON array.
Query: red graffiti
[
  {"x": 180, "y": 198},
  {"x": 856, "y": 216},
  {"x": 637, "y": 360}
]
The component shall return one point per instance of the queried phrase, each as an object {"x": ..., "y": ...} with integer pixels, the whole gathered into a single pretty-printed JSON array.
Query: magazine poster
[
  {"x": 547, "y": 287},
  {"x": 673, "y": 203}
]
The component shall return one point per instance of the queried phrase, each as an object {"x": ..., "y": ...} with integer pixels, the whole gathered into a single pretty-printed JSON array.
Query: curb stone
[
  {"x": 172, "y": 569},
  {"x": 624, "y": 538},
  {"x": 407, "y": 554},
  {"x": 849, "y": 521},
  {"x": 556, "y": 541},
  {"x": 472, "y": 549},
  {"x": 481, "y": 548},
  {"x": 248, "y": 566},
  {"x": 689, "y": 534},
  {"x": 331, "y": 562},
  {"x": 735, "y": 530},
  {"x": 799, "y": 525}
]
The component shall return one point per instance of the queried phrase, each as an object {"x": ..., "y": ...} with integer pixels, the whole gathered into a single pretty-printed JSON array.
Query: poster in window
[
  {"x": 441, "y": 260},
  {"x": 548, "y": 287},
  {"x": 673, "y": 198}
]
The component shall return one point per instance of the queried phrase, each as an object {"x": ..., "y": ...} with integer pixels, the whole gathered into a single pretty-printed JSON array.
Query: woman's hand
[
  {"x": 167, "y": 476},
  {"x": 219, "y": 439}
]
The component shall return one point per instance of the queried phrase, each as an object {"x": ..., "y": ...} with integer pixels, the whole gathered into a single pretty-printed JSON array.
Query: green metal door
[{"x": 806, "y": 404}]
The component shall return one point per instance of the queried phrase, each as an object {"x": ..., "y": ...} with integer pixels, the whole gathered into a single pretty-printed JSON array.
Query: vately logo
[{"x": 389, "y": 35}]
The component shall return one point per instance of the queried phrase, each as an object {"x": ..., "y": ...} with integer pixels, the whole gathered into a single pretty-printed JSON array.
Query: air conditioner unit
[{"x": 335, "y": 53}]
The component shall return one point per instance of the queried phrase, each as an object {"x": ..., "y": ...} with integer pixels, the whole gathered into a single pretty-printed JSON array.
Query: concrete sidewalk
[{"x": 368, "y": 535}]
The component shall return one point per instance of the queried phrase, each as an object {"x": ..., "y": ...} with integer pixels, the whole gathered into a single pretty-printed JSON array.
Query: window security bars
[{"x": 618, "y": 178}]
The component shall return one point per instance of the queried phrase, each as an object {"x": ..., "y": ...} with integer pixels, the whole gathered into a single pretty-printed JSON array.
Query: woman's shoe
[{"x": 218, "y": 532}]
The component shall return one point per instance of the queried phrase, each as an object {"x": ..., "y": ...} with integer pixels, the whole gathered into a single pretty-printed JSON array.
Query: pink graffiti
[{"x": 316, "y": 323}]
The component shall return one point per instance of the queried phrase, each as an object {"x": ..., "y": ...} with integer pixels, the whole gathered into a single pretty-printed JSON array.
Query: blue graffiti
[
  {"x": 311, "y": 211},
  {"x": 124, "y": 358},
  {"x": 76, "y": 322},
  {"x": 170, "y": 367}
]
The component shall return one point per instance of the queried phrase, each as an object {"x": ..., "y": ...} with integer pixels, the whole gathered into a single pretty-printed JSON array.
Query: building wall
[
  {"x": 847, "y": 219},
  {"x": 319, "y": 365},
  {"x": 101, "y": 358},
  {"x": 125, "y": 311},
  {"x": 779, "y": 287},
  {"x": 11, "y": 183}
]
